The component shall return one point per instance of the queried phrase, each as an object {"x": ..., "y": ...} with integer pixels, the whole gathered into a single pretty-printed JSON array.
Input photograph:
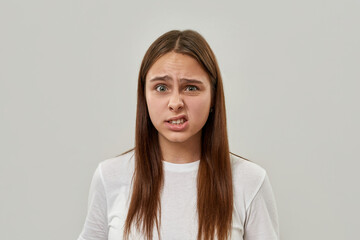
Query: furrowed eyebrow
[
  {"x": 162, "y": 78},
  {"x": 167, "y": 78},
  {"x": 191, "y": 81}
]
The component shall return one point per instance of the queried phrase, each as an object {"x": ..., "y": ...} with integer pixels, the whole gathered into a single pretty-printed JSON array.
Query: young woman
[{"x": 180, "y": 181}]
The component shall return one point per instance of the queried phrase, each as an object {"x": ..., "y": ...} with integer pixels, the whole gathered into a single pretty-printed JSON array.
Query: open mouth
[{"x": 178, "y": 121}]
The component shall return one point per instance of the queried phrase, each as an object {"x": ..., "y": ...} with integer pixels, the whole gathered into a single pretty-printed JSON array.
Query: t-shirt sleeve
[
  {"x": 96, "y": 224},
  {"x": 261, "y": 221}
]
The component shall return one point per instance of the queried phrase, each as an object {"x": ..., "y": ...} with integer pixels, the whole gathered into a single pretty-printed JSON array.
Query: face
[{"x": 178, "y": 96}]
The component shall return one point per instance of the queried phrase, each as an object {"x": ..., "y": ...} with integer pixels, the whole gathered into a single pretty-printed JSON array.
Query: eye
[
  {"x": 191, "y": 88},
  {"x": 161, "y": 88}
]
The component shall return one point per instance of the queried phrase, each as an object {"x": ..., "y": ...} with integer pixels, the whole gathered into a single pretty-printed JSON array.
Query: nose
[{"x": 175, "y": 102}]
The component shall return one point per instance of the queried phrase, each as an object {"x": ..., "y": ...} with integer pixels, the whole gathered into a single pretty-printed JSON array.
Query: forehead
[{"x": 177, "y": 65}]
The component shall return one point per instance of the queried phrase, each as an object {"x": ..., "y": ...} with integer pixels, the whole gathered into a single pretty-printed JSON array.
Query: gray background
[{"x": 68, "y": 97}]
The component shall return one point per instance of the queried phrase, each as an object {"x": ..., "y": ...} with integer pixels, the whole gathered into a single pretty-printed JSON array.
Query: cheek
[
  {"x": 200, "y": 108},
  {"x": 154, "y": 106}
]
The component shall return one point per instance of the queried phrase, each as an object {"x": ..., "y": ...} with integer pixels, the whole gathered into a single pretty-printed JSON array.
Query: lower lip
[{"x": 177, "y": 127}]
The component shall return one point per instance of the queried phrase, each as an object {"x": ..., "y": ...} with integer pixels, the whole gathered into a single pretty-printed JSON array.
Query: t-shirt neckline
[{"x": 181, "y": 167}]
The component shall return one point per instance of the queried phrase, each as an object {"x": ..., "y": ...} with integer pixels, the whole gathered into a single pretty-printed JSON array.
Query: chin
[
  {"x": 181, "y": 137},
  {"x": 176, "y": 138}
]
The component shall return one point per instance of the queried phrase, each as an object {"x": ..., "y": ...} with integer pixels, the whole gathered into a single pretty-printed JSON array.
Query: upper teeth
[{"x": 177, "y": 121}]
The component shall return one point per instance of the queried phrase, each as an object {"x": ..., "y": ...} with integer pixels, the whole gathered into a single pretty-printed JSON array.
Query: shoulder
[
  {"x": 118, "y": 168},
  {"x": 246, "y": 169},
  {"x": 248, "y": 177}
]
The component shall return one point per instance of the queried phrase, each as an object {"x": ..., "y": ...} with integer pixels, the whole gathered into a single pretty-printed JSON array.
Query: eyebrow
[
  {"x": 167, "y": 78},
  {"x": 162, "y": 78}
]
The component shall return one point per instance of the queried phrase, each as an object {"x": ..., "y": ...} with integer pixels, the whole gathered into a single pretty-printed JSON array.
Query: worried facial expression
[{"x": 178, "y": 97}]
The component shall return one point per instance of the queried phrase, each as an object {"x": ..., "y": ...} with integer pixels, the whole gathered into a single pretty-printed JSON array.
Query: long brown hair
[{"x": 214, "y": 179}]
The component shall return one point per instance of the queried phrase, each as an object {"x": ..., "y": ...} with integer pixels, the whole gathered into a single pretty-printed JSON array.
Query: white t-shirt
[{"x": 254, "y": 216}]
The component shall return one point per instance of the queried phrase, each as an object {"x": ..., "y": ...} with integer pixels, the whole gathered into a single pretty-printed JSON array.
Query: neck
[{"x": 181, "y": 152}]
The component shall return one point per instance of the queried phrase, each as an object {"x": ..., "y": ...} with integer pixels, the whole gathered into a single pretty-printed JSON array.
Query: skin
[{"x": 177, "y": 85}]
